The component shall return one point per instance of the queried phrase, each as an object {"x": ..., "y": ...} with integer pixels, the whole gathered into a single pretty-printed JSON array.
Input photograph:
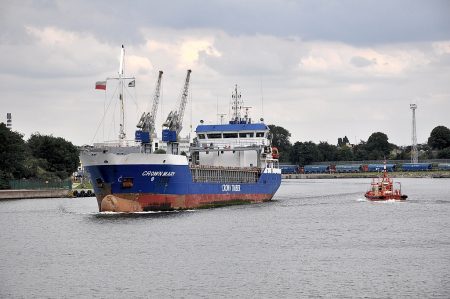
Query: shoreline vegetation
[
  {"x": 51, "y": 160},
  {"x": 41, "y": 160},
  {"x": 376, "y": 148}
]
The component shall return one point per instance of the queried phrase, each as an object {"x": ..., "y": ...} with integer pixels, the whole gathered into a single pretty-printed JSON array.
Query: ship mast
[
  {"x": 121, "y": 77},
  {"x": 122, "y": 134}
]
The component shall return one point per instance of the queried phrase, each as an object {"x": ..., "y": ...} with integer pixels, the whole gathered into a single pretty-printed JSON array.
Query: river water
[{"x": 318, "y": 238}]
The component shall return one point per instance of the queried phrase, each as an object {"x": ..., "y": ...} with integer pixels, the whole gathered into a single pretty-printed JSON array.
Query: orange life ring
[{"x": 275, "y": 153}]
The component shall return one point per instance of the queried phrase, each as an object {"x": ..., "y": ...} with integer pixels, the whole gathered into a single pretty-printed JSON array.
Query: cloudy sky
[{"x": 320, "y": 69}]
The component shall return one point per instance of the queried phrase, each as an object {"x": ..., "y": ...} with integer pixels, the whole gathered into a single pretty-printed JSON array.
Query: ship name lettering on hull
[
  {"x": 158, "y": 173},
  {"x": 231, "y": 188}
]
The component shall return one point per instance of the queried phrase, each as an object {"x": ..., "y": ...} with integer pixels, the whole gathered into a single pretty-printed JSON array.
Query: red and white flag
[{"x": 100, "y": 85}]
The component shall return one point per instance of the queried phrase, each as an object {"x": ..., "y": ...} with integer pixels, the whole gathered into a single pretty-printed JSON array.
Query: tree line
[
  {"x": 51, "y": 158},
  {"x": 40, "y": 157},
  {"x": 376, "y": 147}
]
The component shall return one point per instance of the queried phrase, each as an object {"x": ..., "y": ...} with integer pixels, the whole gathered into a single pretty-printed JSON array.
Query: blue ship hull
[{"x": 167, "y": 187}]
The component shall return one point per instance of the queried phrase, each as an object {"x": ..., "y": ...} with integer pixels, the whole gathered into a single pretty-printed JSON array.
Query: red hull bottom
[
  {"x": 386, "y": 197},
  {"x": 155, "y": 202}
]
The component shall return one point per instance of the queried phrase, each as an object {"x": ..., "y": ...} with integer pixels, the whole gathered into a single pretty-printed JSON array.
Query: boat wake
[
  {"x": 392, "y": 201},
  {"x": 379, "y": 201},
  {"x": 107, "y": 213}
]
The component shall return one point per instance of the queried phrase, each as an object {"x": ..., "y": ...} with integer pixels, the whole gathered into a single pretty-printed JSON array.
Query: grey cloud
[
  {"x": 261, "y": 56},
  {"x": 359, "y": 61},
  {"x": 261, "y": 42},
  {"x": 352, "y": 22}
]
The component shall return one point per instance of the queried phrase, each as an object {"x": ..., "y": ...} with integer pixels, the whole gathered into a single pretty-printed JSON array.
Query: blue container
[
  {"x": 416, "y": 166},
  {"x": 380, "y": 167},
  {"x": 289, "y": 169},
  {"x": 444, "y": 166},
  {"x": 169, "y": 136},
  {"x": 317, "y": 168},
  {"x": 141, "y": 136},
  {"x": 348, "y": 168}
]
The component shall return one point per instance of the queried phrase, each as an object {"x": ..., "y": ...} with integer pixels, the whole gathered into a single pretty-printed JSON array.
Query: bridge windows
[
  {"x": 246, "y": 135},
  {"x": 214, "y": 135},
  {"x": 230, "y": 135}
]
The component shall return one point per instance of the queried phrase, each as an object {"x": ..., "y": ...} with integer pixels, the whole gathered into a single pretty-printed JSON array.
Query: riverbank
[
  {"x": 23, "y": 194},
  {"x": 424, "y": 174},
  {"x": 62, "y": 193}
]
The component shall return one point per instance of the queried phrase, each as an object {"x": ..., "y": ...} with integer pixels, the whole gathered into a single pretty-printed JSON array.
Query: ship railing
[
  {"x": 114, "y": 147},
  {"x": 222, "y": 174},
  {"x": 248, "y": 168},
  {"x": 117, "y": 143}
]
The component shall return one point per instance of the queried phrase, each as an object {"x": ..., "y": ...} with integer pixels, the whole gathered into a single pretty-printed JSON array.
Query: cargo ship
[
  {"x": 383, "y": 188},
  {"x": 230, "y": 163}
]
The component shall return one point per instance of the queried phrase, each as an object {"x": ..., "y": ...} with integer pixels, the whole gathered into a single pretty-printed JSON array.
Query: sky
[{"x": 320, "y": 69}]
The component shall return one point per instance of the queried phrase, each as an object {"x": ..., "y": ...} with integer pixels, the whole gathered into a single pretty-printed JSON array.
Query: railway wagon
[
  {"x": 416, "y": 166},
  {"x": 443, "y": 166},
  {"x": 380, "y": 167},
  {"x": 316, "y": 168},
  {"x": 289, "y": 169},
  {"x": 348, "y": 168}
]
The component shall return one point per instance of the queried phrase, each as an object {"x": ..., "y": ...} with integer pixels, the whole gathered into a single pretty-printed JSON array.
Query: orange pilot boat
[{"x": 383, "y": 188}]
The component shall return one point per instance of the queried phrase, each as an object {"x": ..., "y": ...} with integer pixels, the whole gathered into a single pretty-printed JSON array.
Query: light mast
[{"x": 414, "y": 152}]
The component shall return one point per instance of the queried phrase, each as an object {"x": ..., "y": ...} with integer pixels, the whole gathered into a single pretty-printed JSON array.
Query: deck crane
[
  {"x": 147, "y": 122},
  {"x": 174, "y": 121}
]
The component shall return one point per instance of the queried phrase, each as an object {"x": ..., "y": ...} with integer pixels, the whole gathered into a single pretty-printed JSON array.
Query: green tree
[
  {"x": 328, "y": 152},
  {"x": 280, "y": 139},
  {"x": 61, "y": 156},
  {"x": 444, "y": 153},
  {"x": 439, "y": 138},
  {"x": 13, "y": 154},
  {"x": 359, "y": 151},
  {"x": 378, "y": 144},
  {"x": 376, "y": 155},
  {"x": 304, "y": 153},
  {"x": 344, "y": 154},
  {"x": 402, "y": 155}
]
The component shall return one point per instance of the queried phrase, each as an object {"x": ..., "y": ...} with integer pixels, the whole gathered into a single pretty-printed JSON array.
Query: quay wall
[{"x": 22, "y": 194}]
